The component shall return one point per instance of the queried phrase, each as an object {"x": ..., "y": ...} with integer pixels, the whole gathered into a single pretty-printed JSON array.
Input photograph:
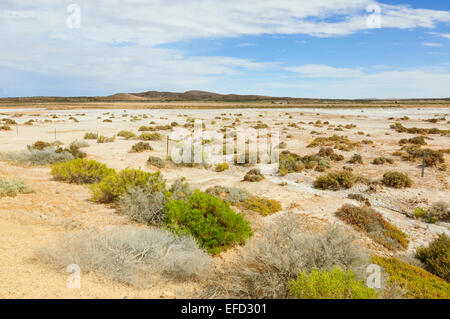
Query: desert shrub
[
  {"x": 432, "y": 157},
  {"x": 436, "y": 256},
  {"x": 220, "y": 167},
  {"x": 266, "y": 265},
  {"x": 369, "y": 221},
  {"x": 253, "y": 175},
  {"x": 329, "y": 153},
  {"x": 8, "y": 121},
  {"x": 180, "y": 190},
  {"x": 77, "y": 144},
  {"x": 38, "y": 145},
  {"x": 382, "y": 160},
  {"x": 37, "y": 157},
  {"x": 126, "y": 134},
  {"x": 337, "y": 142},
  {"x": 81, "y": 171},
  {"x": 439, "y": 211},
  {"x": 356, "y": 158},
  {"x": 74, "y": 149},
  {"x": 417, "y": 283},
  {"x": 232, "y": 195},
  {"x": 330, "y": 284},
  {"x": 396, "y": 179},
  {"x": 210, "y": 220},
  {"x": 415, "y": 130},
  {"x": 105, "y": 139},
  {"x": 141, "y": 147},
  {"x": 290, "y": 163},
  {"x": 5, "y": 128},
  {"x": 156, "y": 161},
  {"x": 262, "y": 205},
  {"x": 128, "y": 255},
  {"x": 419, "y": 140},
  {"x": 150, "y": 136},
  {"x": 359, "y": 198},
  {"x": 335, "y": 180},
  {"x": 12, "y": 187},
  {"x": 90, "y": 136},
  {"x": 143, "y": 205},
  {"x": 113, "y": 186}
]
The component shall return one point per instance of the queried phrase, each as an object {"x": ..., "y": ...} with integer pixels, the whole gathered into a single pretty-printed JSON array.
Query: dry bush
[
  {"x": 128, "y": 255},
  {"x": 37, "y": 157},
  {"x": 12, "y": 187},
  {"x": 267, "y": 264},
  {"x": 143, "y": 205}
]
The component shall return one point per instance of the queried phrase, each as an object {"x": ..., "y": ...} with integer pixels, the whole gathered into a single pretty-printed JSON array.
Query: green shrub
[
  {"x": 215, "y": 225},
  {"x": 104, "y": 139},
  {"x": 396, "y": 179},
  {"x": 261, "y": 205},
  {"x": 150, "y": 136},
  {"x": 126, "y": 134},
  {"x": 81, "y": 171},
  {"x": 418, "y": 283},
  {"x": 356, "y": 158},
  {"x": 220, "y": 167},
  {"x": 113, "y": 186},
  {"x": 141, "y": 147},
  {"x": 330, "y": 284},
  {"x": 155, "y": 161},
  {"x": 436, "y": 256},
  {"x": 335, "y": 180},
  {"x": 13, "y": 187},
  {"x": 90, "y": 136},
  {"x": 254, "y": 175},
  {"x": 371, "y": 222}
]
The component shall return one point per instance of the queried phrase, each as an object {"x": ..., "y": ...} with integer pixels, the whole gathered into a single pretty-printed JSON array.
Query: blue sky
[{"x": 299, "y": 48}]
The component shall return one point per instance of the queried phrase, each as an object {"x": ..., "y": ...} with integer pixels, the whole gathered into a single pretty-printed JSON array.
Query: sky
[{"x": 346, "y": 49}]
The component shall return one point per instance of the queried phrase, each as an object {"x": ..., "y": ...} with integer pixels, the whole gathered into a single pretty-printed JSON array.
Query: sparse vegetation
[
  {"x": 371, "y": 222},
  {"x": 156, "y": 161},
  {"x": 81, "y": 171},
  {"x": 141, "y": 147},
  {"x": 396, "y": 179},
  {"x": 253, "y": 175},
  {"x": 335, "y": 180},
  {"x": 436, "y": 257},
  {"x": 220, "y": 167},
  {"x": 12, "y": 187}
]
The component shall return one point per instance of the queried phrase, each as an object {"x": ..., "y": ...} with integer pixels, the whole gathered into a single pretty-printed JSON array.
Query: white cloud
[
  {"x": 431, "y": 44},
  {"x": 324, "y": 71}
]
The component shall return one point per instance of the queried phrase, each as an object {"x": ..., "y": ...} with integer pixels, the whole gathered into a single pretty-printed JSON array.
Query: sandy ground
[{"x": 30, "y": 221}]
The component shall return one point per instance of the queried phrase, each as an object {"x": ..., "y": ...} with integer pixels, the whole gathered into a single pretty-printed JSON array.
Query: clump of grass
[
  {"x": 105, "y": 139},
  {"x": 81, "y": 171},
  {"x": 330, "y": 284},
  {"x": 398, "y": 127},
  {"x": 417, "y": 283},
  {"x": 372, "y": 223},
  {"x": 141, "y": 147},
  {"x": 355, "y": 159},
  {"x": 126, "y": 134},
  {"x": 129, "y": 256},
  {"x": 382, "y": 160},
  {"x": 12, "y": 187},
  {"x": 90, "y": 136},
  {"x": 396, "y": 179},
  {"x": 156, "y": 161},
  {"x": 261, "y": 205},
  {"x": 335, "y": 180},
  {"x": 419, "y": 140},
  {"x": 438, "y": 211},
  {"x": 220, "y": 167},
  {"x": 150, "y": 136},
  {"x": 254, "y": 175},
  {"x": 337, "y": 142},
  {"x": 5, "y": 128},
  {"x": 432, "y": 157},
  {"x": 436, "y": 257}
]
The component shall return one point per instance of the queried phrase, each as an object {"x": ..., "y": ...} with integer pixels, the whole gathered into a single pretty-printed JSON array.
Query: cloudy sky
[{"x": 299, "y": 48}]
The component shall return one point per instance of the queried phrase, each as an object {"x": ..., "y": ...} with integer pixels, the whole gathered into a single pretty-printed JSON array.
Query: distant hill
[{"x": 152, "y": 96}]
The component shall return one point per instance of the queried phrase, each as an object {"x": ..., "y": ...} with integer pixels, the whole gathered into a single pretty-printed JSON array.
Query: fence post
[
  {"x": 167, "y": 147},
  {"x": 55, "y": 133},
  {"x": 423, "y": 163}
]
